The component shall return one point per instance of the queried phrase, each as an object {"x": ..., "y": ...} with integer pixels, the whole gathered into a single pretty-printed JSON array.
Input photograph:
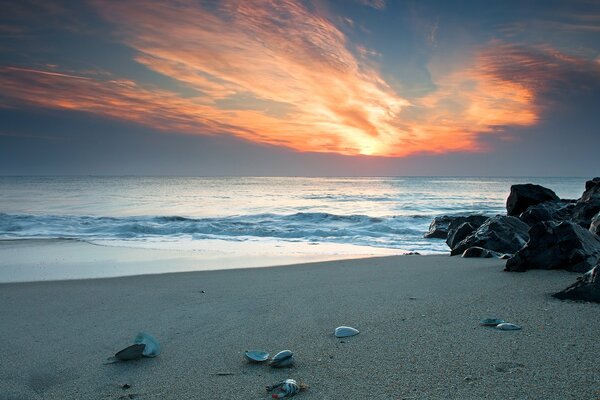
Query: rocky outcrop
[
  {"x": 440, "y": 226},
  {"x": 587, "y": 287},
  {"x": 479, "y": 252},
  {"x": 552, "y": 245},
  {"x": 500, "y": 233},
  {"x": 523, "y": 196},
  {"x": 548, "y": 211},
  {"x": 595, "y": 225},
  {"x": 588, "y": 205}
]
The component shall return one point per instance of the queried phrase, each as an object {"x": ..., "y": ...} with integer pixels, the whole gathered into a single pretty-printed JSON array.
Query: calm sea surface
[{"x": 333, "y": 216}]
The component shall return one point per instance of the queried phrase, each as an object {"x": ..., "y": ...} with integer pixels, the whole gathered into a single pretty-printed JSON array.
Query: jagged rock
[
  {"x": 479, "y": 252},
  {"x": 440, "y": 226},
  {"x": 500, "y": 233},
  {"x": 548, "y": 211},
  {"x": 586, "y": 288},
  {"x": 552, "y": 245},
  {"x": 589, "y": 204},
  {"x": 457, "y": 235},
  {"x": 595, "y": 225},
  {"x": 523, "y": 196}
]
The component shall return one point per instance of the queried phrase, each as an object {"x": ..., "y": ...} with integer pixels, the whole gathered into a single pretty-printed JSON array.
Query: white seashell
[
  {"x": 508, "y": 327},
  {"x": 284, "y": 358},
  {"x": 286, "y": 388},
  {"x": 345, "y": 331},
  {"x": 256, "y": 355},
  {"x": 152, "y": 348}
]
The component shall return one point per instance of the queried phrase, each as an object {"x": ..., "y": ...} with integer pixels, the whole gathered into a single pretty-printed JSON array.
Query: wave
[{"x": 304, "y": 226}]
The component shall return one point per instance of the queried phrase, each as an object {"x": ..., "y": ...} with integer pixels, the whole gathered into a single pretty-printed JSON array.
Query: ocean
[{"x": 329, "y": 217}]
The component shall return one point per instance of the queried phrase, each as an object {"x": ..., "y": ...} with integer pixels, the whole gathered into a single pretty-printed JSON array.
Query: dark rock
[
  {"x": 548, "y": 211},
  {"x": 500, "y": 233},
  {"x": 523, "y": 196},
  {"x": 457, "y": 235},
  {"x": 440, "y": 226},
  {"x": 595, "y": 225},
  {"x": 589, "y": 204},
  {"x": 587, "y": 287},
  {"x": 552, "y": 245},
  {"x": 479, "y": 252}
]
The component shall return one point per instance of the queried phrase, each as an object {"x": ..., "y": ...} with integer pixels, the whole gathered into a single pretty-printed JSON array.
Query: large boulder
[
  {"x": 548, "y": 211},
  {"x": 586, "y": 288},
  {"x": 500, "y": 233},
  {"x": 523, "y": 196},
  {"x": 553, "y": 245},
  {"x": 589, "y": 204},
  {"x": 595, "y": 225},
  {"x": 440, "y": 226}
]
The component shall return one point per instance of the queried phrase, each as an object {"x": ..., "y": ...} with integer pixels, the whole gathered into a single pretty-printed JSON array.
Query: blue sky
[{"x": 362, "y": 87}]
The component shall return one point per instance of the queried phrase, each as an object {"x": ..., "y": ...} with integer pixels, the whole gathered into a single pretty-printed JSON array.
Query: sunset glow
[{"x": 293, "y": 74}]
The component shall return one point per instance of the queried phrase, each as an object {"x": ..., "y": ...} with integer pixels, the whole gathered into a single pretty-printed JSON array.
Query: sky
[{"x": 300, "y": 88}]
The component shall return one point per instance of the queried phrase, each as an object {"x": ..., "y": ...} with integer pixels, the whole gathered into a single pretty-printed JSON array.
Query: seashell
[
  {"x": 506, "y": 326},
  {"x": 282, "y": 359},
  {"x": 286, "y": 388},
  {"x": 345, "y": 331},
  {"x": 131, "y": 353},
  {"x": 256, "y": 355},
  {"x": 491, "y": 322},
  {"x": 152, "y": 347}
]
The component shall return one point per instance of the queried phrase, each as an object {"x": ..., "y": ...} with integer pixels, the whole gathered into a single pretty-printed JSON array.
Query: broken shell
[
  {"x": 345, "y": 331},
  {"x": 284, "y": 358},
  {"x": 286, "y": 388},
  {"x": 256, "y": 355},
  {"x": 491, "y": 322},
  {"x": 152, "y": 347},
  {"x": 131, "y": 353},
  {"x": 508, "y": 327}
]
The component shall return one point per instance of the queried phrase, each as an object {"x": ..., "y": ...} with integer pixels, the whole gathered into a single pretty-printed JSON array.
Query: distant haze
[{"x": 300, "y": 88}]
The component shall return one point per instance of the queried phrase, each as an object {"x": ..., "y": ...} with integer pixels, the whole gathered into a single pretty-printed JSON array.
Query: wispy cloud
[
  {"x": 377, "y": 4},
  {"x": 279, "y": 55}
]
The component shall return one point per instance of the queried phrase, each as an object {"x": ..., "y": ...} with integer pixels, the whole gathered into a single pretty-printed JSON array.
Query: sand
[{"x": 418, "y": 317}]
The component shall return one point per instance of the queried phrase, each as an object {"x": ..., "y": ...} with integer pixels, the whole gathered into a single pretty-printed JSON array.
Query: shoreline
[
  {"x": 33, "y": 260},
  {"x": 418, "y": 318}
]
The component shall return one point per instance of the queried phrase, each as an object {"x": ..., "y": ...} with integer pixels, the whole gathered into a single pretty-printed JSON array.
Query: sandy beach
[{"x": 418, "y": 317}]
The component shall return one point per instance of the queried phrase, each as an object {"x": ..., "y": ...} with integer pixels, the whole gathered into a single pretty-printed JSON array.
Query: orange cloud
[{"x": 291, "y": 79}]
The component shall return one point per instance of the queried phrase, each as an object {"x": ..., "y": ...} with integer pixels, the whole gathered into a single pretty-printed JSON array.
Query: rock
[
  {"x": 457, "y": 235},
  {"x": 588, "y": 205},
  {"x": 479, "y": 252},
  {"x": 440, "y": 226},
  {"x": 548, "y": 211},
  {"x": 553, "y": 245},
  {"x": 523, "y": 196},
  {"x": 500, "y": 233},
  {"x": 595, "y": 225},
  {"x": 587, "y": 287}
]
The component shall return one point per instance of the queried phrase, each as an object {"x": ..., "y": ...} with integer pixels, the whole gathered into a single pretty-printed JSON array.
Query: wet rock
[
  {"x": 587, "y": 287},
  {"x": 500, "y": 233},
  {"x": 588, "y": 205},
  {"x": 548, "y": 211},
  {"x": 552, "y": 245},
  {"x": 457, "y": 235},
  {"x": 595, "y": 225},
  {"x": 440, "y": 226},
  {"x": 523, "y": 196},
  {"x": 479, "y": 252}
]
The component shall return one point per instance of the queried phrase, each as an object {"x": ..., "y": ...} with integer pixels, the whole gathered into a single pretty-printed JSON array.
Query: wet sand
[{"x": 418, "y": 317}]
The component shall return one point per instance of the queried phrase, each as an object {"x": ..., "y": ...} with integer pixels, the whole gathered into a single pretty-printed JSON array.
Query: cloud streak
[{"x": 291, "y": 78}]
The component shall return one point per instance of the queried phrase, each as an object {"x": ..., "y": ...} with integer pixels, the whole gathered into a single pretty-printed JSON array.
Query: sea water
[{"x": 268, "y": 215}]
